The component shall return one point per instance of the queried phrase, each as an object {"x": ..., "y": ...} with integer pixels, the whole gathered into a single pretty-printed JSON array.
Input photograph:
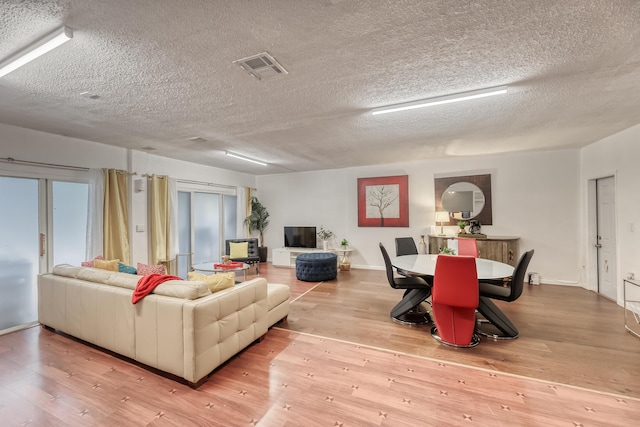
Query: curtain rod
[
  {"x": 46, "y": 165},
  {"x": 210, "y": 184}
]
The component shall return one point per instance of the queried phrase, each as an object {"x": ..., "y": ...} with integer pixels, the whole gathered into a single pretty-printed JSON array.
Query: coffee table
[{"x": 209, "y": 268}]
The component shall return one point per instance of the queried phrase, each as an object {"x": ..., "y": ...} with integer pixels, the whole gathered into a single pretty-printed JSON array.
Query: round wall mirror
[{"x": 463, "y": 201}]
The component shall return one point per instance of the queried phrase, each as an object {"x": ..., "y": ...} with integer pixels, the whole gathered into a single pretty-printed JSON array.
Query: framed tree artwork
[{"x": 383, "y": 201}]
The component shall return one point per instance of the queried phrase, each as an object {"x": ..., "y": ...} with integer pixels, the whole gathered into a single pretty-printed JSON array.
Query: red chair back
[
  {"x": 467, "y": 247},
  {"x": 455, "y": 298}
]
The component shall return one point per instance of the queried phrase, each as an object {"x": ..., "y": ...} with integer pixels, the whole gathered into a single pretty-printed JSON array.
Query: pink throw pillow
[
  {"x": 144, "y": 269},
  {"x": 90, "y": 263}
]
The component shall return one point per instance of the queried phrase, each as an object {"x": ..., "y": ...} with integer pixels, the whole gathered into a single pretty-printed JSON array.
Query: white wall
[
  {"x": 617, "y": 155},
  {"x": 535, "y": 197}
]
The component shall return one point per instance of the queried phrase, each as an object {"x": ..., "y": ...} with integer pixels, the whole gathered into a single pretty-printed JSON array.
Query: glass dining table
[{"x": 426, "y": 264}]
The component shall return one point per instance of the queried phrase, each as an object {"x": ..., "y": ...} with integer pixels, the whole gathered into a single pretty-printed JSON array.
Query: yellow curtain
[
  {"x": 116, "y": 215},
  {"x": 159, "y": 218}
]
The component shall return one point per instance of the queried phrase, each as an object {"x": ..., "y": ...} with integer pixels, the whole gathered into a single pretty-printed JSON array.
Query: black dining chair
[
  {"x": 509, "y": 291},
  {"x": 407, "y": 246},
  {"x": 417, "y": 290}
]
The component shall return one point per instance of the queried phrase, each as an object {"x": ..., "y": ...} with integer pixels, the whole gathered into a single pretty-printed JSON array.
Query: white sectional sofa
[{"x": 180, "y": 328}]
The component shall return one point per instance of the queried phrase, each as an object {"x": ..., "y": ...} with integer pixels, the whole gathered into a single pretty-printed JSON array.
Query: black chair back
[
  {"x": 517, "y": 281},
  {"x": 388, "y": 266},
  {"x": 406, "y": 246}
]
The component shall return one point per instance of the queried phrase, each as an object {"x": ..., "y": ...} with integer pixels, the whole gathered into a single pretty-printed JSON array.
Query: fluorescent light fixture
[
  {"x": 446, "y": 99},
  {"x": 38, "y": 48},
  {"x": 246, "y": 159}
]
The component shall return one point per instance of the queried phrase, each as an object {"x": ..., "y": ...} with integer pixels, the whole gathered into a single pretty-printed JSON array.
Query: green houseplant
[
  {"x": 258, "y": 221},
  {"x": 462, "y": 225}
]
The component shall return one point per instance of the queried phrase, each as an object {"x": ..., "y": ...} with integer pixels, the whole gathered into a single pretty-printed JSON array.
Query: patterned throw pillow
[
  {"x": 103, "y": 264},
  {"x": 90, "y": 263},
  {"x": 144, "y": 269},
  {"x": 216, "y": 282},
  {"x": 238, "y": 250}
]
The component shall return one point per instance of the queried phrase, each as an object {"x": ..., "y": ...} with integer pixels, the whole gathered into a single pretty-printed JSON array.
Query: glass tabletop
[{"x": 426, "y": 264}]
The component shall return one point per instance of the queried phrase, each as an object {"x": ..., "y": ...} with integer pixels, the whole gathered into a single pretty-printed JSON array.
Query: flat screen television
[{"x": 300, "y": 237}]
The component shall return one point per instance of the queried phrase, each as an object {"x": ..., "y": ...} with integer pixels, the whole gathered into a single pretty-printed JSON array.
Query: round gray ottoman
[{"x": 316, "y": 266}]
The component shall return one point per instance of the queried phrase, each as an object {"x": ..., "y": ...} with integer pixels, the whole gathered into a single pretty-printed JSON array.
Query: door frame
[{"x": 591, "y": 265}]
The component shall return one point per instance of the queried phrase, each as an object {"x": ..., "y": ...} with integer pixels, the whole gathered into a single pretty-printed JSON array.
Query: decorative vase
[
  {"x": 325, "y": 245},
  {"x": 422, "y": 246}
]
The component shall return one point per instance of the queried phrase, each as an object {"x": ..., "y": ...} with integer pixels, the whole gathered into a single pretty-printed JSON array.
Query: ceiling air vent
[{"x": 261, "y": 66}]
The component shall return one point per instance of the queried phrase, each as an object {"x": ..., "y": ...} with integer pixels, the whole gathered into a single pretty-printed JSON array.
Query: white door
[{"x": 606, "y": 238}]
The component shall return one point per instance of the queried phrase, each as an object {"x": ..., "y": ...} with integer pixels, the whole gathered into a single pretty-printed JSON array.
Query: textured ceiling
[{"x": 163, "y": 71}]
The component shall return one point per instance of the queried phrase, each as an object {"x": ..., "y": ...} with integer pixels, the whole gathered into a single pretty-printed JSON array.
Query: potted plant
[
  {"x": 447, "y": 251},
  {"x": 325, "y": 235},
  {"x": 462, "y": 225},
  {"x": 258, "y": 221},
  {"x": 344, "y": 243}
]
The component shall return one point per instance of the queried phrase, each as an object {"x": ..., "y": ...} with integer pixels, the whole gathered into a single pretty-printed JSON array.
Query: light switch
[
  {"x": 139, "y": 228},
  {"x": 632, "y": 227}
]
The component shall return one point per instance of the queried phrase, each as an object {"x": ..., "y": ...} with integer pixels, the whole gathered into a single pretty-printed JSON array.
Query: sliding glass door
[
  {"x": 20, "y": 242},
  {"x": 205, "y": 221},
  {"x": 34, "y": 236}
]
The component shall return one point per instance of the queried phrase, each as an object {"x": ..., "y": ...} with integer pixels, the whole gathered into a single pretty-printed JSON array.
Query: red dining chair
[
  {"x": 454, "y": 301},
  {"x": 467, "y": 247}
]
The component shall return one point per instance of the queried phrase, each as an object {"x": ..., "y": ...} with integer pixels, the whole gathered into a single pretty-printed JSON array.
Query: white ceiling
[{"x": 164, "y": 73}]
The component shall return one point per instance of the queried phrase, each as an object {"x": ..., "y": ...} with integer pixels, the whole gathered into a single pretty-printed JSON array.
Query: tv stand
[{"x": 286, "y": 257}]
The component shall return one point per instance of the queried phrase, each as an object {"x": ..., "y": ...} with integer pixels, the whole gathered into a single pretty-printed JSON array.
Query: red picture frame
[{"x": 383, "y": 201}]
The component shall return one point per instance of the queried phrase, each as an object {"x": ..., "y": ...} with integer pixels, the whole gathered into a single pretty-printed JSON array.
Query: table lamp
[{"x": 442, "y": 216}]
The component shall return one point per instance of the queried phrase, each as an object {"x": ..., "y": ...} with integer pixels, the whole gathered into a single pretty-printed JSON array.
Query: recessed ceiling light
[{"x": 89, "y": 95}]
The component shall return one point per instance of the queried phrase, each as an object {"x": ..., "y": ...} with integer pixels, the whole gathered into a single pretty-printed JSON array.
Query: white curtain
[
  {"x": 242, "y": 196},
  {"x": 173, "y": 218},
  {"x": 95, "y": 214}
]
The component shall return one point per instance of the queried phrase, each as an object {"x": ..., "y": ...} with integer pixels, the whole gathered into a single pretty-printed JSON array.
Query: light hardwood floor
[{"x": 340, "y": 361}]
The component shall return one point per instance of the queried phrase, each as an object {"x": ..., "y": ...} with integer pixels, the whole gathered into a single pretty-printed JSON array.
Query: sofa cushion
[
  {"x": 238, "y": 250},
  {"x": 94, "y": 275},
  {"x": 106, "y": 264},
  {"x": 216, "y": 282},
  {"x": 185, "y": 289},
  {"x": 278, "y": 293},
  {"x": 66, "y": 270},
  {"x": 144, "y": 269}
]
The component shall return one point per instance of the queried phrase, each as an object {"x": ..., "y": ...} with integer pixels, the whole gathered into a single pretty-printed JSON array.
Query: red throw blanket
[{"x": 148, "y": 283}]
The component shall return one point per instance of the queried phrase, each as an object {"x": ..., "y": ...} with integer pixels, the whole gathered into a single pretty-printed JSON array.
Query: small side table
[
  {"x": 345, "y": 255},
  {"x": 209, "y": 267},
  {"x": 631, "y": 296}
]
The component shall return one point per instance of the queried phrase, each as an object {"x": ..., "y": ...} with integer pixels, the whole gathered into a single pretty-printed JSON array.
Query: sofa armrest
[{"x": 220, "y": 325}]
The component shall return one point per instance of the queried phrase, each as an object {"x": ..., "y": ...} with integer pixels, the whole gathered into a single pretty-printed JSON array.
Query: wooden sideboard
[{"x": 498, "y": 248}]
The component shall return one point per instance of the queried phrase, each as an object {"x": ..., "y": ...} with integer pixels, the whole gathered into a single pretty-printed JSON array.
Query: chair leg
[
  {"x": 475, "y": 339},
  {"x": 412, "y": 298},
  {"x": 496, "y": 317}
]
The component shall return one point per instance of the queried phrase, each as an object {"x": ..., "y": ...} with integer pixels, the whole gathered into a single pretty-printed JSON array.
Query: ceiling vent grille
[{"x": 261, "y": 66}]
